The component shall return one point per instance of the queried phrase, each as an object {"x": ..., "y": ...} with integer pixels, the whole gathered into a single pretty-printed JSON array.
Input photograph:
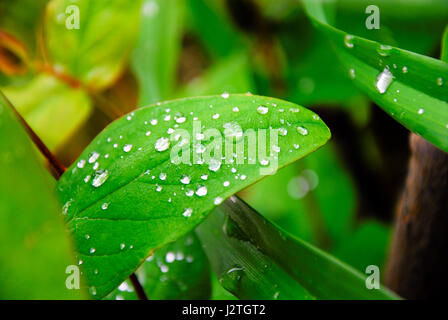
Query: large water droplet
[
  {"x": 201, "y": 191},
  {"x": 384, "y": 50},
  {"x": 100, "y": 177},
  {"x": 303, "y": 131},
  {"x": 93, "y": 157},
  {"x": 214, "y": 165},
  {"x": 262, "y": 110},
  {"x": 384, "y": 80},
  {"x": 218, "y": 200},
  {"x": 185, "y": 179},
  {"x": 162, "y": 144},
  {"x": 187, "y": 213},
  {"x": 81, "y": 164},
  {"x": 348, "y": 41}
]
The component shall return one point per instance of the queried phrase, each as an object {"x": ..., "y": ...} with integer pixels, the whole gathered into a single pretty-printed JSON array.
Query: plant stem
[
  {"x": 417, "y": 265},
  {"x": 139, "y": 291},
  {"x": 57, "y": 168}
]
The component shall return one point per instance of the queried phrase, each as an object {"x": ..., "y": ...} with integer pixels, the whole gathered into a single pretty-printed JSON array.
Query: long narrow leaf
[{"x": 411, "y": 88}]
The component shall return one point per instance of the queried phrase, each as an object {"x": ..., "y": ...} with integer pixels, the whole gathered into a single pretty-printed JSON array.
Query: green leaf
[
  {"x": 411, "y": 88},
  {"x": 243, "y": 269},
  {"x": 125, "y": 198},
  {"x": 154, "y": 59},
  {"x": 179, "y": 270},
  {"x": 53, "y": 109},
  {"x": 95, "y": 53},
  {"x": 245, "y": 231},
  {"x": 35, "y": 249}
]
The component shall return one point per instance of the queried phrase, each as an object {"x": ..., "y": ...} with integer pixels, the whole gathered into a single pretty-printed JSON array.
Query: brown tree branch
[
  {"x": 417, "y": 264},
  {"x": 57, "y": 168}
]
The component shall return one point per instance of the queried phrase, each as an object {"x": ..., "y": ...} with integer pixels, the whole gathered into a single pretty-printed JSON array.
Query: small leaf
[
  {"x": 31, "y": 228},
  {"x": 126, "y": 197},
  {"x": 411, "y": 88},
  {"x": 94, "y": 53},
  {"x": 180, "y": 270},
  {"x": 245, "y": 231}
]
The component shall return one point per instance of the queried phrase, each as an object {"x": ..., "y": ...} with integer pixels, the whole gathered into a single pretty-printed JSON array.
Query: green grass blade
[
  {"x": 411, "y": 88},
  {"x": 240, "y": 266},
  {"x": 317, "y": 272}
]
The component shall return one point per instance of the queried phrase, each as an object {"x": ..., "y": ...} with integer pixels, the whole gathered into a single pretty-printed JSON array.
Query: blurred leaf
[
  {"x": 95, "y": 53},
  {"x": 241, "y": 267},
  {"x": 231, "y": 74},
  {"x": 125, "y": 198},
  {"x": 277, "y": 10},
  {"x": 179, "y": 270},
  {"x": 308, "y": 59},
  {"x": 154, "y": 59},
  {"x": 444, "y": 55},
  {"x": 412, "y": 88},
  {"x": 288, "y": 212},
  {"x": 13, "y": 56},
  {"x": 214, "y": 28},
  {"x": 31, "y": 230},
  {"x": 53, "y": 109},
  {"x": 366, "y": 246},
  {"x": 323, "y": 276},
  {"x": 22, "y": 19},
  {"x": 303, "y": 197},
  {"x": 329, "y": 184}
]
